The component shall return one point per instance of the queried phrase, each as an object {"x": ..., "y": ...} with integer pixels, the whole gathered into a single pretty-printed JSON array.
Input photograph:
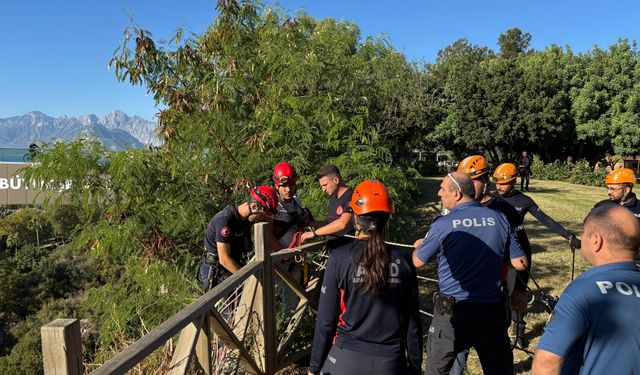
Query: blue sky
[{"x": 54, "y": 54}]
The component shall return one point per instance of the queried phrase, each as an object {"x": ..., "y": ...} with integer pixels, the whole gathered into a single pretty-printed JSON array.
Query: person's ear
[{"x": 598, "y": 242}]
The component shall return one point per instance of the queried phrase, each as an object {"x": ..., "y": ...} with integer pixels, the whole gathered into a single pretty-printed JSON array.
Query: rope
[{"x": 387, "y": 242}]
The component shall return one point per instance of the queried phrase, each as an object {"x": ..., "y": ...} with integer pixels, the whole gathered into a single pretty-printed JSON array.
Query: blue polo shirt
[
  {"x": 472, "y": 243},
  {"x": 595, "y": 326}
]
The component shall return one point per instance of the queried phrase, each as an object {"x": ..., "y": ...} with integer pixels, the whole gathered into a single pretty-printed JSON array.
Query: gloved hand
[{"x": 574, "y": 242}]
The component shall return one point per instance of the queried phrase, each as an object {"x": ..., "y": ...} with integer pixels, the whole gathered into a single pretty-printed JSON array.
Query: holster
[{"x": 443, "y": 304}]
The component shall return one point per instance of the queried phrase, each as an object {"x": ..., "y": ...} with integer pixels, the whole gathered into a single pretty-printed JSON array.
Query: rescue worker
[
  {"x": 505, "y": 178},
  {"x": 228, "y": 236},
  {"x": 476, "y": 167},
  {"x": 595, "y": 326},
  {"x": 524, "y": 166},
  {"x": 289, "y": 223},
  {"x": 368, "y": 318},
  {"x": 291, "y": 217},
  {"x": 339, "y": 215},
  {"x": 620, "y": 184},
  {"x": 471, "y": 244}
]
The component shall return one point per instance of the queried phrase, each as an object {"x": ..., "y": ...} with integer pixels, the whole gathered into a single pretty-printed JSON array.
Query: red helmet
[
  {"x": 284, "y": 172},
  {"x": 266, "y": 197},
  {"x": 370, "y": 196}
]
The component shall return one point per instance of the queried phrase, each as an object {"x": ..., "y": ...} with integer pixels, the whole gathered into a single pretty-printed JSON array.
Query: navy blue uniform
[
  {"x": 516, "y": 222},
  {"x": 226, "y": 227},
  {"x": 338, "y": 206},
  {"x": 631, "y": 204},
  {"x": 386, "y": 326},
  {"x": 524, "y": 204},
  {"x": 471, "y": 244},
  {"x": 595, "y": 325},
  {"x": 287, "y": 221}
]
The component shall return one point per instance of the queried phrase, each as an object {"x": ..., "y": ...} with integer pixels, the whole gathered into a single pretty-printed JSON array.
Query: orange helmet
[
  {"x": 370, "y": 196},
  {"x": 475, "y": 166},
  {"x": 621, "y": 176},
  {"x": 506, "y": 173}
]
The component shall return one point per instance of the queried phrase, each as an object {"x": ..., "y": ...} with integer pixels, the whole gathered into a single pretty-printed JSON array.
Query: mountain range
[{"x": 115, "y": 130}]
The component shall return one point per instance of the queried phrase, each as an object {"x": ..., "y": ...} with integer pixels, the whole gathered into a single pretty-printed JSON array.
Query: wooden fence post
[
  {"x": 262, "y": 231},
  {"x": 62, "y": 347}
]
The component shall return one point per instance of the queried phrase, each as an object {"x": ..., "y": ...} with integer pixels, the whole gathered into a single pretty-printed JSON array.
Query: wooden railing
[{"x": 253, "y": 335}]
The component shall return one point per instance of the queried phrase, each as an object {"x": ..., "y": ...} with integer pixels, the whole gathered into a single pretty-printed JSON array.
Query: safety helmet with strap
[
  {"x": 620, "y": 176},
  {"x": 506, "y": 173},
  {"x": 371, "y": 196},
  {"x": 283, "y": 173},
  {"x": 266, "y": 197},
  {"x": 475, "y": 166}
]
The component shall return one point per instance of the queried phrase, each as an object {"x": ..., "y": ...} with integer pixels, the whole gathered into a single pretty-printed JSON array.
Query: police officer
[
  {"x": 620, "y": 184},
  {"x": 476, "y": 167},
  {"x": 228, "y": 235},
  {"x": 471, "y": 244},
  {"x": 368, "y": 318},
  {"x": 595, "y": 326},
  {"x": 339, "y": 215},
  {"x": 524, "y": 166}
]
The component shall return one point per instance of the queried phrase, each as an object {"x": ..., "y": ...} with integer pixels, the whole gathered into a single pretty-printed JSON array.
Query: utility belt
[
  {"x": 217, "y": 274},
  {"x": 446, "y": 305},
  {"x": 211, "y": 258},
  {"x": 443, "y": 304}
]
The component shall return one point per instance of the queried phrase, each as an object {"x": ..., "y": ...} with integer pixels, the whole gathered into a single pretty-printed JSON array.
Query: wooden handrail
[
  {"x": 268, "y": 359},
  {"x": 140, "y": 349}
]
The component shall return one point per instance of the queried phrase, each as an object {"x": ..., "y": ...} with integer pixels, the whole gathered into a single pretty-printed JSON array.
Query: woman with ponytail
[{"x": 368, "y": 318}]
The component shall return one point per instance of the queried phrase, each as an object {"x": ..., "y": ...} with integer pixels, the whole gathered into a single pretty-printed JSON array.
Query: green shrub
[
  {"x": 65, "y": 219},
  {"x": 579, "y": 172},
  {"x": 25, "y": 226}
]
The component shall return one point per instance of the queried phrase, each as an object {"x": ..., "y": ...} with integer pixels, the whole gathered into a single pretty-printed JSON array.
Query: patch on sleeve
[
  {"x": 339, "y": 210},
  {"x": 225, "y": 232}
]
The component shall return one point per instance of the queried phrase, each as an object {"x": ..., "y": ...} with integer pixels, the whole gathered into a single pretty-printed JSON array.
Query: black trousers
[
  {"x": 342, "y": 361},
  {"x": 482, "y": 326},
  {"x": 524, "y": 178}
]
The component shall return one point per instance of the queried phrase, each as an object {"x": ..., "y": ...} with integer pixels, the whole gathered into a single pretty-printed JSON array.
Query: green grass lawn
[{"x": 568, "y": 204}]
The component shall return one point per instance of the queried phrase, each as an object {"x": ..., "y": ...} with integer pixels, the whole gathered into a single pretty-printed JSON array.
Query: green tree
[
  {"x": 513, "y": 42},
  {"x": 605, "y": 105}
]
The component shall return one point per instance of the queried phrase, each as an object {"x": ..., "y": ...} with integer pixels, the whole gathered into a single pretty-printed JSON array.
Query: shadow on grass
[{"x": 544, "y": 190}]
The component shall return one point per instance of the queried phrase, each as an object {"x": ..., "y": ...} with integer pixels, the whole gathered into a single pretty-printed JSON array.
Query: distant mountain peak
[{"x": 116, "y": 130}]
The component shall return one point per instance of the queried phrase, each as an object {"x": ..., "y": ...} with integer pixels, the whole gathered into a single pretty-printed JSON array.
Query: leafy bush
[
  {"x": 576, "y": 173},
  {"x": 142, "y": 298},
  {"x": 65, "y": 219},
  {"x": 25, "y": 226},
  {"x": 26, "y": 356}
]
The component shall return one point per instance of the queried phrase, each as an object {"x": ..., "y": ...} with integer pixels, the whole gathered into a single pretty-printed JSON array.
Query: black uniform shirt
[
  {"x": 523, "y": 204},
  {"x": 386, "y": 325},
  {"x": 226, "y": 227},
  {"x": 515, "y": 220},
  {"x": 631, "y": 204},
  {"x": 338, "y": 206},
  {"x": 287, "y": 221}
]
